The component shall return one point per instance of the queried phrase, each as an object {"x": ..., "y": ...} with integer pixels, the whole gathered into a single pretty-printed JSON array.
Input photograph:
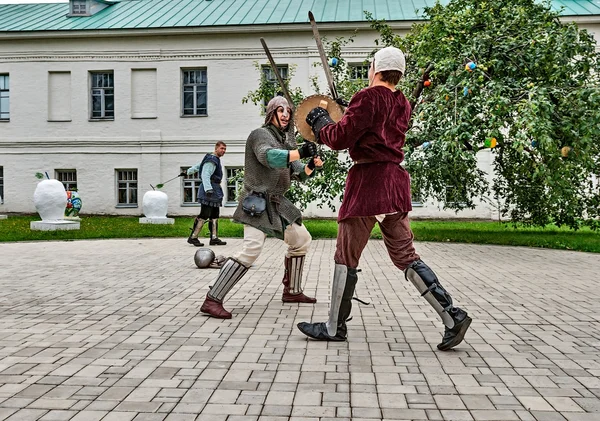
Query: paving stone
[{"x": 122, "y": 342}]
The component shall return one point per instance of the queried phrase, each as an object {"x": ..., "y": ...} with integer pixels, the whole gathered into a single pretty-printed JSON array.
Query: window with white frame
[
  {"x": 195, "y": 82},
  {"x": 68, "y": 178},
  {"x": 359, "y": 71},
  {"x": 79, "y": 7},
  {"x": 103, "y": 95},
  {"x": 1, "y": 185},
  {"x": 234, "y": 182},
  {"x": 4, "y": 98},
  {"x": 453, "y": 195},
  {"x": 127, "y": 188},
  {"x": 271, "y": 78},
  {"x": 416, "y": 199},
  {"x": 190, "y": 184}
]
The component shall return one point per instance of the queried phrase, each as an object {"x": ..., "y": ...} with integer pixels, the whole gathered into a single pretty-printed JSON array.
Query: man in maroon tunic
[{"x": 377, "y": 191}]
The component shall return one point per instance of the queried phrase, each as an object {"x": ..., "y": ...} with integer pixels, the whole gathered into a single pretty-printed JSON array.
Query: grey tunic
[{"x": 260, "y": 177}]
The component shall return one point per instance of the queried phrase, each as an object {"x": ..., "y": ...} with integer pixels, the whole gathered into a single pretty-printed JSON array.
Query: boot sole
[
  {"x": 214, "y": 315},
  {"x": 293, "y": 300},
  {"x": 329, "y": 338},
  {"x": 458, "y": 338}
]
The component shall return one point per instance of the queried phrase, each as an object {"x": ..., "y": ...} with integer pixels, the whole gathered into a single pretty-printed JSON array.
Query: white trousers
[{"x": 295, "y": 236}]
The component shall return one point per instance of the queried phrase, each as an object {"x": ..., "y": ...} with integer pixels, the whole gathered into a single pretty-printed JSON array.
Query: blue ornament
[
  {"x": 534, "y": 143},
  {"x": 426, "y": 145},
  {"x": 465, "y": 91},
  {"x": 333, "y": 61}
]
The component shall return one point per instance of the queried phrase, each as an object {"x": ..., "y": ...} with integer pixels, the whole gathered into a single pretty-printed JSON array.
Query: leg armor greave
[
  {"x": 198, "y": 224},
  {"x": 429, "y": 286},
  {"x": 292, "y": 281},
  {"x": 342, "y": 290},
  {"x": 213, "y": 227},
  {"x": 231, "y": 272}
]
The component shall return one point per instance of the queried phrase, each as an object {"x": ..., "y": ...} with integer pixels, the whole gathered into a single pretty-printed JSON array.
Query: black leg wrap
[{"x": 455, "y": 319}]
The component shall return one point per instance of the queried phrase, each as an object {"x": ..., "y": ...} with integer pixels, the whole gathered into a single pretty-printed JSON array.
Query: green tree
[
  {"x": 510, "y": 77},
  {"x": 532, "y": 89}
]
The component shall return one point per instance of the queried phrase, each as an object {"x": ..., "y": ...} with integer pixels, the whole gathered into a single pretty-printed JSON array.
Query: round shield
[
  {"x": 204, "y": 257},
  {"x": 335, "y": 112}
]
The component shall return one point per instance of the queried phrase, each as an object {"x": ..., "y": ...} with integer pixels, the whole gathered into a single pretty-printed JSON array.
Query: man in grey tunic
[{"x": 272, "y": 159}]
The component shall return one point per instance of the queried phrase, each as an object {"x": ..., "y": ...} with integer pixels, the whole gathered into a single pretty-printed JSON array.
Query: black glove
[
  {"x": 209, "y": 193},
  {"x": 341, "y": 101},
  {"x": 307, "y": 150},
  {"x": 311, "y": 164},
  {"x": 182, "y": 174},
  {"x": 318, "y": 118}
]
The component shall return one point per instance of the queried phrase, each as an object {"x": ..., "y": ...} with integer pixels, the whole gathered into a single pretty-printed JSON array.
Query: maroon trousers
[{"x": 353, "y": 234}]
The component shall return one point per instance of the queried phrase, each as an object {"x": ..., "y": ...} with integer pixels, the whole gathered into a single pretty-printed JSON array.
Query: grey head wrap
[{"x": 274, "y": 105}]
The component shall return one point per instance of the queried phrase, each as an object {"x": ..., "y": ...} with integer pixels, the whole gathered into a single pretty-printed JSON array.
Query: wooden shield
[{"x": 335, "y": 111}]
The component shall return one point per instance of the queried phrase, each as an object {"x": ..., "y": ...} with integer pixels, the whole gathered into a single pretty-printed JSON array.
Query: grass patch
[{"x": 16, "y": 228}]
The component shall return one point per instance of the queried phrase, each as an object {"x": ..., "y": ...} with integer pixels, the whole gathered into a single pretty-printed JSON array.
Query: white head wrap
[{"x": 389, "y": 58}]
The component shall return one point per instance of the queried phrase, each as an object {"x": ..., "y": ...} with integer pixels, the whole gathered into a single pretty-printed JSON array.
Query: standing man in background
[{"x": 210, "y": 195}]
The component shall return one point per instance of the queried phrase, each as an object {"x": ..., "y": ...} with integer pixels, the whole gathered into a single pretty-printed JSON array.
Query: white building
[{"x": 112, "y": 97}]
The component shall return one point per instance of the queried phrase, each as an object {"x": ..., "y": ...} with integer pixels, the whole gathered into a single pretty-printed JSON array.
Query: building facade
[{"x": 112, "y": 108}]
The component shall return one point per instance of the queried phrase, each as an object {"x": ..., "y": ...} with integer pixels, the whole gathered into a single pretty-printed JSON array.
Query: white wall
[{"x": 158, "y": 146}]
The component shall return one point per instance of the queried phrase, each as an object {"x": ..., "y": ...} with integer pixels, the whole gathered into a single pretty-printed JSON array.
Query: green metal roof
[{"x": 145, "y": 14}]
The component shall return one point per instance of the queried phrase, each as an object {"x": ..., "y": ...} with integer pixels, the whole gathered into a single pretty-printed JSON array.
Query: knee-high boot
[
  {"x": 455, "y": 319},
  {"x": 342, "y": 290},
  {"x": 193, "y": 238},
  {"x": 292, "y": 281},
  {"x": 231, "y": 272}
]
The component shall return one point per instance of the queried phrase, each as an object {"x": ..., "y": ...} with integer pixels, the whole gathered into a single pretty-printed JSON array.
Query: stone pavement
[{"x": 110, "y": 330}]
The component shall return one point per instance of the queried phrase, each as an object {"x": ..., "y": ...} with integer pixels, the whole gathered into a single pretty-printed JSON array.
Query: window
[
  {"x": 127, "y": 188},
  {"x": 272, "y": 79},
  {"x": 1, "y": 185},
  {"x": 103, "y": 96},
  {"x": 234, "y": 182},
  {"x": 68, "y": 178},
  {"x": 194, "y": 92},
  {"x": 454, "y": 195},
  {"x": 191, "y": 183},
  {"x": 416, "y": 199},
  {"x": 4, "y": 98},
  {"x": 359, "y": 71},
  {"x": 79, "y": 7}
]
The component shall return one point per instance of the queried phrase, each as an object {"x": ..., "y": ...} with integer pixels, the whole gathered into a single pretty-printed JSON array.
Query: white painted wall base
[
  {"x": 3, "y": 217},
  {"x": 160, "y": 221},
  {"x": 53, "y": 225}
]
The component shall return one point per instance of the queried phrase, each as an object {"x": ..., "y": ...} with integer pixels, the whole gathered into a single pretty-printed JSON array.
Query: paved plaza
[{"x": 110, "y": 330}]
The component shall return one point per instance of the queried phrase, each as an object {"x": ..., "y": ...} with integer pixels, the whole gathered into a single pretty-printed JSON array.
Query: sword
[
  {"x": 286, "y": 93},
  {"x": 328, "y": 74}
]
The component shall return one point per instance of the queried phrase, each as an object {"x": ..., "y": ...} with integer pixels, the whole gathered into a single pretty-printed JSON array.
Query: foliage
[
  {"x": 530, "y": 102},
  {"x": 534, "y": 90}
]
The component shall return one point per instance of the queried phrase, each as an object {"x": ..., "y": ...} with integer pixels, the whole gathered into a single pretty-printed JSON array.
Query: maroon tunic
[{"x": 373, "y": 130}]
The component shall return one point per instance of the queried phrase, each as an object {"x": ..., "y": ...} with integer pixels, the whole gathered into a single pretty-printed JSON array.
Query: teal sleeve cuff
[
  {"x": 278, "y": 158},
  {"x": 303, "y": 176}
]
